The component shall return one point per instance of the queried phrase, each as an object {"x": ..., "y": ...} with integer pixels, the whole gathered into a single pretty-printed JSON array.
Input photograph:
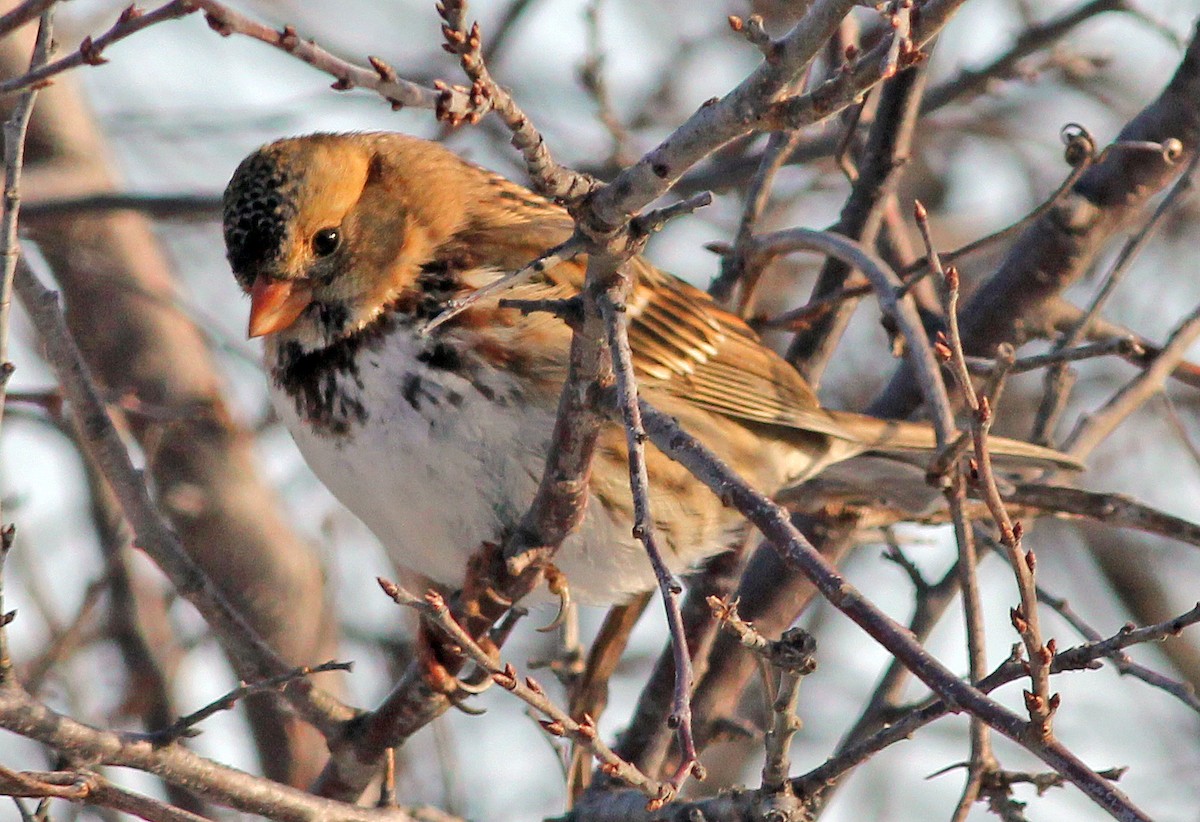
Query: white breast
[{"x": 436, "y": 469}]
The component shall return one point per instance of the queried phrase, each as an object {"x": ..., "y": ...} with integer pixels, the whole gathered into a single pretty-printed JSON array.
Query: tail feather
[{"x": 897, "y": 437}]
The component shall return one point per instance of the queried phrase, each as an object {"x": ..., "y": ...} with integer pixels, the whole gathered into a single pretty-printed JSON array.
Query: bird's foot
[{"x": 440, "y": 659}]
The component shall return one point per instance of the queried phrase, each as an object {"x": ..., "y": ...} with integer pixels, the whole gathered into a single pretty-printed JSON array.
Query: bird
[{"x": 350, "y": 244}]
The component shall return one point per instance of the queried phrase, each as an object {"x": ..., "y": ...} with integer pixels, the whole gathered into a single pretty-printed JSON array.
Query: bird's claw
[
  {"x": 556, "y": 581},
  {"x": 437, "y": 657}
]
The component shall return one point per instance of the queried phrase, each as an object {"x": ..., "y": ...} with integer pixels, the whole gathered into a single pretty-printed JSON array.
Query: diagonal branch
[
  {"x": 775, "y": 525},
  {"x": 153, "y": 535}
]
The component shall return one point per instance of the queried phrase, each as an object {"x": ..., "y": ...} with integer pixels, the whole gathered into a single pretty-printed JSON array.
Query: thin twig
[
  {"x": 591, "y": 74},
  {"x": 90, "y": 50},
  {"x": 186, "y": 725},
  {"x": 589, "y": 692},
  {"x": 1114, "y": 510},
  {"x": 982, "y": 760},
  {"x": 558, "y": 722},
  {"x": 1042, "y": 35},
  {"x": 1092, "y": 429},
  {"x": 218, "y": 783},
  {"x": 1113, "y": 646},
  {"x": 153, "y": 535},
  {"x": 1080, "y": 153},
  {"x": 612, "y": 309},
  {"x": 1056, "y": 390},
  {"x": 774, "y": 523},
  {"x": 721, "y": 121},
  {"x": 646, "y": 738},
  {"x": 22, "y": 14},
  {"x": 7, "y": 679},
  {"x": 550, "y": 178},
  {"x": 1180, "y": 429},
  {"x": 379, "y": 78},
  {"x": 737, "y": 271},
  {"x": 1039, "y": 701},
  {"x": 561, "y": 253},
  {"x": 1126, "y": 637},
  {"x": 899, "y": 18},
  {"x": 886, "y": 285},
  {"x": 64, "y": 641},
  {"x": 504, "y": 28},
  {"x": 91, "y": 789},
  {"x": 14, "y": 130},
  {"x": 792, "y": 657},
  {"x": 879, "y": 168},
  {"x": 1082, "y": 657},
  {"x": 1124, "y": 347}
]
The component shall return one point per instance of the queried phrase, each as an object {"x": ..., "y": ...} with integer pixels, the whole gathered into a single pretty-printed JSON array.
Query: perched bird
[{"x": 349, "y": 243}]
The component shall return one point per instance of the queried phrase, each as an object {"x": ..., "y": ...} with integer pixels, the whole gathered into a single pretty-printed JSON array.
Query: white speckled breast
[{"x": 439, "y": 464}]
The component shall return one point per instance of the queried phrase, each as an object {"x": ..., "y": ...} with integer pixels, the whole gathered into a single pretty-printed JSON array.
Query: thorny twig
[
  {"x": 550, "y": 178},
  {"x": 776, "y": 526},
  {"x": 982, "y": 759},
  {"x": 792, "y": 657},
  {"x": 558, "y": 722},
  {"x": 90, "y": 50}
]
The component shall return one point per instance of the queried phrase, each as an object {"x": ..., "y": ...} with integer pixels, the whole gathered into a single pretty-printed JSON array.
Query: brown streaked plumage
[{"x": 348, "y": 243}]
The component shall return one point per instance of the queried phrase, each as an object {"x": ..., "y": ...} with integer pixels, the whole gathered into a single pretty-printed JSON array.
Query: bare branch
[
  {"x": 153, "y": 535},
  {"x": 90, "y": 51},
  {"x": 559, "y": 722}
]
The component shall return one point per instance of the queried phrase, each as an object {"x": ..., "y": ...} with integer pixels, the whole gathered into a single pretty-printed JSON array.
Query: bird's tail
[{"x": 897, "y": 438}]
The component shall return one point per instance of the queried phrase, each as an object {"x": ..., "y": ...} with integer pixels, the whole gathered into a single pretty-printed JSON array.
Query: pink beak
[{"x": 274, "y": 305}]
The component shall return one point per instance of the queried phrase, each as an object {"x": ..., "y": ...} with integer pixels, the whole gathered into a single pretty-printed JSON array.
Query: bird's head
[{"x": 325, "y": 231}]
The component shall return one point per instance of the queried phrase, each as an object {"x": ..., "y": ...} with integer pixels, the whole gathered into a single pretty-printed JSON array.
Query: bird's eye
[{"x": 326, "y": 241}]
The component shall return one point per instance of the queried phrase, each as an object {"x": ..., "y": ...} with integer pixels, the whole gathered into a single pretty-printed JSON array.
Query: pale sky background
[{"x": 182, "y": 106}]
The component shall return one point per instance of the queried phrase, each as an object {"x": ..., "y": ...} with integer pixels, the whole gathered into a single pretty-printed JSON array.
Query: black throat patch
[{"x": 326, "y": 384}]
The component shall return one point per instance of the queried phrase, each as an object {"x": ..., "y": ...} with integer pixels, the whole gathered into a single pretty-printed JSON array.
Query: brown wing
[{"x": 683, "y": 344}]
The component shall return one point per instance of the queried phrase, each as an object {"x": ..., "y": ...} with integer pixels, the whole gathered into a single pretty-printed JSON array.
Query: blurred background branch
[{"x": 125, "y": 155}]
